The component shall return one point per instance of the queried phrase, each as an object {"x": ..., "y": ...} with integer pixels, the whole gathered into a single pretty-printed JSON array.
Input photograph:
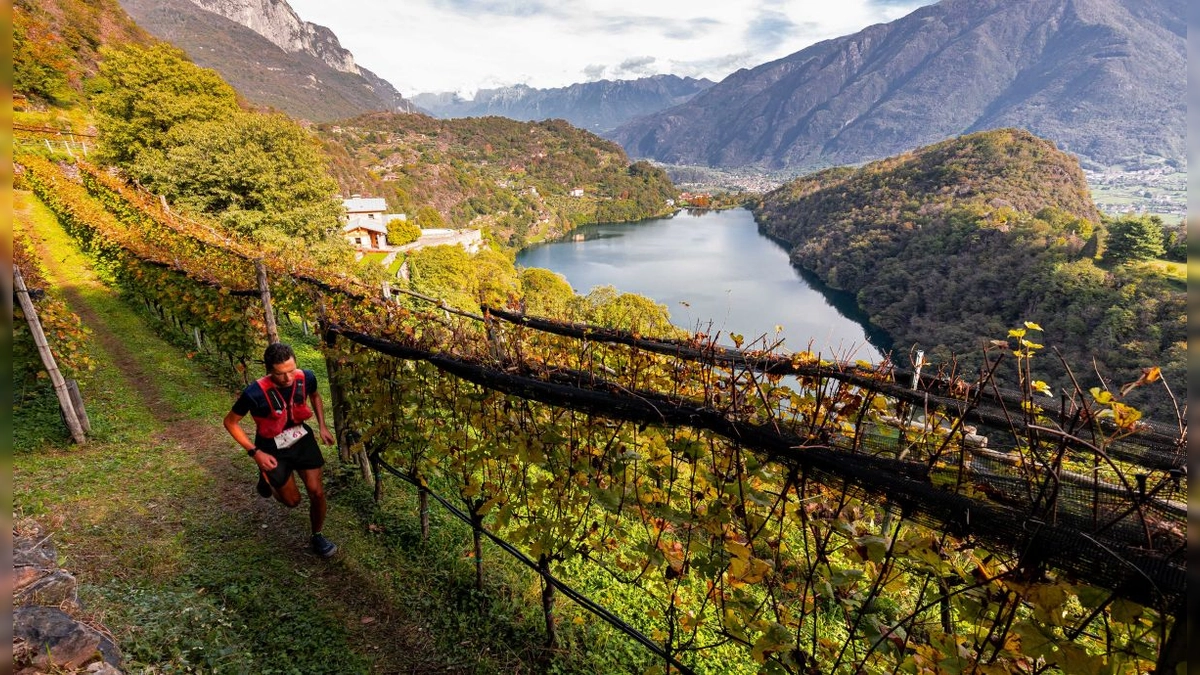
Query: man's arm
[
  {"x": 265, "y": 461},
  {"x": 319, "y": 410}
]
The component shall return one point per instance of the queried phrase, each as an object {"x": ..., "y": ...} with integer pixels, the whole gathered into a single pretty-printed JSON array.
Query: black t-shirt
[{"x": 254, "y": 402}]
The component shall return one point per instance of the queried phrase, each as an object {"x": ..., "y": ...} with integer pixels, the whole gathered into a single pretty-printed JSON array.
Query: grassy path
[{"x": 158, "y": 519}]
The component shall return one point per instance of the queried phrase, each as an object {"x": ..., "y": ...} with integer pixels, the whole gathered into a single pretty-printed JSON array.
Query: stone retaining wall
[{"x": 47, "y": 635}]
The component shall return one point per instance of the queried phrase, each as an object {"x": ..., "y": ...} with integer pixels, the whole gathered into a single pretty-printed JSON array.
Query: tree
[
  {"x": 428, "y": 218},
  {"x": 401, "y": 232},
  {"x": 252, "y": 171},
  {"x": 497, "y": 280},
  {"x": 546, "y": 293},
  {"x": 1132, "y": 238},
  {"x": 143, "y": 93},
  {"x": 1175, "y": 243},
  {"x": 445, "y": 272},
  {"x": 608, "y": 307}
]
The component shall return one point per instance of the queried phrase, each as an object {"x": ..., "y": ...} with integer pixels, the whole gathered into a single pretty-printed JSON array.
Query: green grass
[
  {"x": 394, "y": 268},
  {"x": 373, "y": 258},
  {"x": 1176, "y": 271}
]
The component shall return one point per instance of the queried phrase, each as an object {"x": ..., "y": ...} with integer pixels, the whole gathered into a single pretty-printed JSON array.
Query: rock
[
  {"x": 24, "y": 576},
  {"x": 55, "y": 589},
  {"x": 33, "y": 549},
  {"x": 56, "y": 638}
]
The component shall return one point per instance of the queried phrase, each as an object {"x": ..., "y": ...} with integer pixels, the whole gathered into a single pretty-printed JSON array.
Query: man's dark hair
[{"x": 277, "y": 353}]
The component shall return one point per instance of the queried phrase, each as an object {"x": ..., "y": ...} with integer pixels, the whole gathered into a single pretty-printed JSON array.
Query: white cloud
[{"x": 464, "y": 45}]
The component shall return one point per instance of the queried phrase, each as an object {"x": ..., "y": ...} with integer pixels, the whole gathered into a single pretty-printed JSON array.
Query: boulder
[
  {"x": 56, "y": 639},
  {"x": 54, "y": 588}
]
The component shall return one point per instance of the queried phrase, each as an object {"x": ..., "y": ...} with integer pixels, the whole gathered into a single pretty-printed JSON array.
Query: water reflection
[{"x": 716, "y": 274}]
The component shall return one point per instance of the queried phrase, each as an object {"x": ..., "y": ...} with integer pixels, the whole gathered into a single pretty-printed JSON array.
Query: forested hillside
[
  {"x": 56, "y": 45},
  {"x": 948, "y": 246},
  {"x": 512, "y": 178}
]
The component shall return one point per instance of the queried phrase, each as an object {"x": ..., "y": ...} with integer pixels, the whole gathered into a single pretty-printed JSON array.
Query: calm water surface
[{"x": 714, "y": 272}]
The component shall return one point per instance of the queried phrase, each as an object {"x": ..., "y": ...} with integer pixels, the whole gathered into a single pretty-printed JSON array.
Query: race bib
[{"x": 288, "y": 437}]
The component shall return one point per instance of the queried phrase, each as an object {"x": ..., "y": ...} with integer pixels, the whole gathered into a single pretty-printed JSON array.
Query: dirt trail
[{"x": 393, "y": 641}]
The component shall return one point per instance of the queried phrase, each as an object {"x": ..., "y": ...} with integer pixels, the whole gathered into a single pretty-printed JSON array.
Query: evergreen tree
[{"x": 1133, "y": 238}]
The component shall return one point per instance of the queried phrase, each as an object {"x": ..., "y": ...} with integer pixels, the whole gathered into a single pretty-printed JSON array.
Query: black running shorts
[{"x": 305, "y": 454}]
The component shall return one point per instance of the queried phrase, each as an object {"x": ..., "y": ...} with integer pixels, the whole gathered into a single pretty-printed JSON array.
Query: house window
[{"x": 358, "y": 241}]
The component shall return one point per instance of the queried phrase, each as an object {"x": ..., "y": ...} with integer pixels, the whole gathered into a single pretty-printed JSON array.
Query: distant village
[{"x": 1161, "y": 191}]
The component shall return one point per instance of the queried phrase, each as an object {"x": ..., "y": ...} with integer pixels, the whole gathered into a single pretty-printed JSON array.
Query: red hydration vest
[{"x": 282, "y": 407}]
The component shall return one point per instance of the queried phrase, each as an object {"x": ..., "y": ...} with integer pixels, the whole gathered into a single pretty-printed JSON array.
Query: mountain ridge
[
  {"x": 1102, "y": 78},
  {"x": 597, "y": 106}
]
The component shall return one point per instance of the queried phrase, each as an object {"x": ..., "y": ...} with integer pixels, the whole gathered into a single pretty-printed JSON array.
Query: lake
[{"x": 715, "y": 273}]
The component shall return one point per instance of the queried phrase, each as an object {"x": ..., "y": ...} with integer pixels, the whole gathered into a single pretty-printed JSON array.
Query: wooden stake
[
  {"x": 268, "y": 313},
  {"x": 77, "y": 402},
  {"x": 335, "y": 394},
  {"x": 56, "y": 378}
]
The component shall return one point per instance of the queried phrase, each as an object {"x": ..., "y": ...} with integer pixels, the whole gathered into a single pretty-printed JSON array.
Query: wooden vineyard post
[
  {"x": 339, "y": 408},
  {"x": 77, "y": 403},
  {"x": 39, "y": 338},
  {"x": 268, "y": 313},
  {"x": 338, "y": 403}
]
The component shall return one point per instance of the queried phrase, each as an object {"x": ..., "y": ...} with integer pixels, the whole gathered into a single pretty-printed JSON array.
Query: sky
[{"x": 465, "y": 45}]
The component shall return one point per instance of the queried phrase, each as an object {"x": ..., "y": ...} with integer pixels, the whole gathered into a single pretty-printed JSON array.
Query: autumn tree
[
  {"x": 445, "y": 272},
  {"x": 497, "y": 280},
  {"x": 41, "y": 59},
  {"x": 401, "y": 232},
  {"x": 546, "y": 293}
]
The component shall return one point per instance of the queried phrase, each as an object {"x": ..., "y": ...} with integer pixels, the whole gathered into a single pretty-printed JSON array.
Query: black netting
[{"x": 1106, "y": 526}]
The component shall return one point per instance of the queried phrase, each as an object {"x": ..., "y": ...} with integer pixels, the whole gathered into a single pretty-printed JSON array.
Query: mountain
[
  {"x": 520, "y": 181},
  {"x": 596, "y": 106},
  {"x": 951, "y": 245},
  {"x": 270, "y": 56},
  {"x": 1104, "y": 79}
]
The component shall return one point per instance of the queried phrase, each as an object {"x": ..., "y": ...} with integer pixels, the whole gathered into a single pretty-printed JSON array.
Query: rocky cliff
[
  {"x": 270, "y": 55},
  {"x": 278, "y": 22},
  {"x": 596, "y": 106},
  {"x": 1104, "y": 79}
]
